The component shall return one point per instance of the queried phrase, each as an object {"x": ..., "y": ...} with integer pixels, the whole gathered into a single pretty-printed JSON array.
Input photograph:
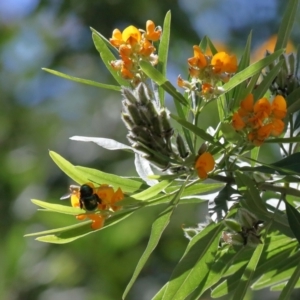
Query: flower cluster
[
  {"x": 208, "y": 70},
  {"x": 261, "y": 119},
  {"x": 108, "y": 198},
  {"x": 135, "y": 45},
  {"x": 204, "y": 164}
]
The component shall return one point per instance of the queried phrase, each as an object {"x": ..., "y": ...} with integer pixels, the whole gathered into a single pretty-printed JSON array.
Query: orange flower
[
  {"x": 147, "y": 48},
  {"x": 262, "y": 107},
  {"x": 277, "y": 127},
  {"x": 279, "y": 107},
  {"x": 222, "y": 62},
  {"x": 204, "y": 164},
  {"x": 237, "y": 122},
  {"x": 152, "y": 33},
  {"x": 246, "y": 105},
  {"x": 261, "y": 120},
  {"x": 199, "y": 59},
  {"x": 107, "y": 198},
  {"x": 207, "y": 88}
]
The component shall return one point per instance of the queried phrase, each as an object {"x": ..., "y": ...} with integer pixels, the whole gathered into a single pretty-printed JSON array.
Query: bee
[{"x": 87, "y": 198}]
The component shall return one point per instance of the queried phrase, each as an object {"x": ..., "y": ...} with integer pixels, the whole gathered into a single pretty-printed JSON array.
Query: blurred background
[{"x": 40, "y": 112}]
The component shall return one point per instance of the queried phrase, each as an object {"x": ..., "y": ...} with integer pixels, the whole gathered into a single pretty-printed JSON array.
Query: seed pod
[
  {"x": 182, "y": 150},
  {"x": 166, "y": 126},
  {"x": 233, "y": 225},
  {"x": 127, "y": 121},
  {"x": 135, "y": 115},
  {"x": 127, "y": 93},
  {"x": 141, "y": 134},
  {"x": 142, "y": 93}
]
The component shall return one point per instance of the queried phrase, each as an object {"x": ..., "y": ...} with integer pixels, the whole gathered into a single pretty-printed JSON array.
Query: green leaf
[
  {"x": 293, "y": 217},
  {"x": 265, "y": 84},
  {"x": 245, "y": 281},
  {"x": 289, "y": 165},
  {"x": 229, "y": 285},
  {"x": 163, "y": 53},
  {"x": 187, "y": 134},
  {"x": 71, "y": 233},
  {"x": 250, "y": 71},
  {"x": 230, "y": 134},
  {"x": 160, "y": 79},
  {"x": 107, "y": 56},
  {"x": 84, "y": 81},
  {"x": 193, "y": 268},
  {"x": 286, "y": 24},
  {"x": 157, "y": 230},
  {"x": 244, "y": 62},
  {"x": 251, "y": 193},
  {"x": 63, "y": 209},
  {"x": 83, "y": 175},
  {"x": 293, "y": 101},
  {"x": 152, "y": 191},
  {"x": 282, "y": 271},
  {"x": 288, "y": 289},
  {"x": 196, "y": 130}
]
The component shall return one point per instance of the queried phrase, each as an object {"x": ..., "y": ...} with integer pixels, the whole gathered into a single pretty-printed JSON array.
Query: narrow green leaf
[
  {"x": 288, "y": 289},
  {"x": 265, "y": 84},
  {"x": 99, "y": 177},
  {"x": 83, "y": 175},
  {"x": 196, "y": 130},
  {"x": 187, "y": 134},
  {"x": 281, "y": 272},
  {"x": 286, "y": 24},
  {"x": 160, "y": 293},
  {"x": 163, "y": 53},
  {"x": 228, "y": 285},
  {"x": 63, "y": 209},
  {"x": 211, "y": 46},
  {"x": 293, "y": 101},
  {"x": 244, "y": 62},
  {"x": 293, "y": 217},
  {"x": 157, "y": 230},
  {"x": 84, "y": 81},
  {"x": 250, "y": 191},
  {"x": 81, "y": 229},
  {"x": 193, "y": 268},
  {"x": 203, "y": 44},
  {"x": 244, "y": 284},
  {"x": 251, "y": 71},
  {"x": 161, "y": 80},
  {"x": 107, "y": 56},
  {"x": 152, "y": 191}
]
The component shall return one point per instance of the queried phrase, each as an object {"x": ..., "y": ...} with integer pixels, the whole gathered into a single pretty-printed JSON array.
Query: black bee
[{"x": 87, "y": 199}]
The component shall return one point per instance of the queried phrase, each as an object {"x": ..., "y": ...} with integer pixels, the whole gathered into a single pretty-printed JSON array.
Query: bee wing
[
  {"x": 64, "y": 197},
  {"x": 73, "y": 189}
]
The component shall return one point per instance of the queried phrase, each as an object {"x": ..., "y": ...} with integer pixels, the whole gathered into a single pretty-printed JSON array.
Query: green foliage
[{"x": 250, "y": 244}]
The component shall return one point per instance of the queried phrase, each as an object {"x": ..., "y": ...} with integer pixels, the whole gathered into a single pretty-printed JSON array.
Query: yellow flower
[{"x": 204, "y": 164}]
